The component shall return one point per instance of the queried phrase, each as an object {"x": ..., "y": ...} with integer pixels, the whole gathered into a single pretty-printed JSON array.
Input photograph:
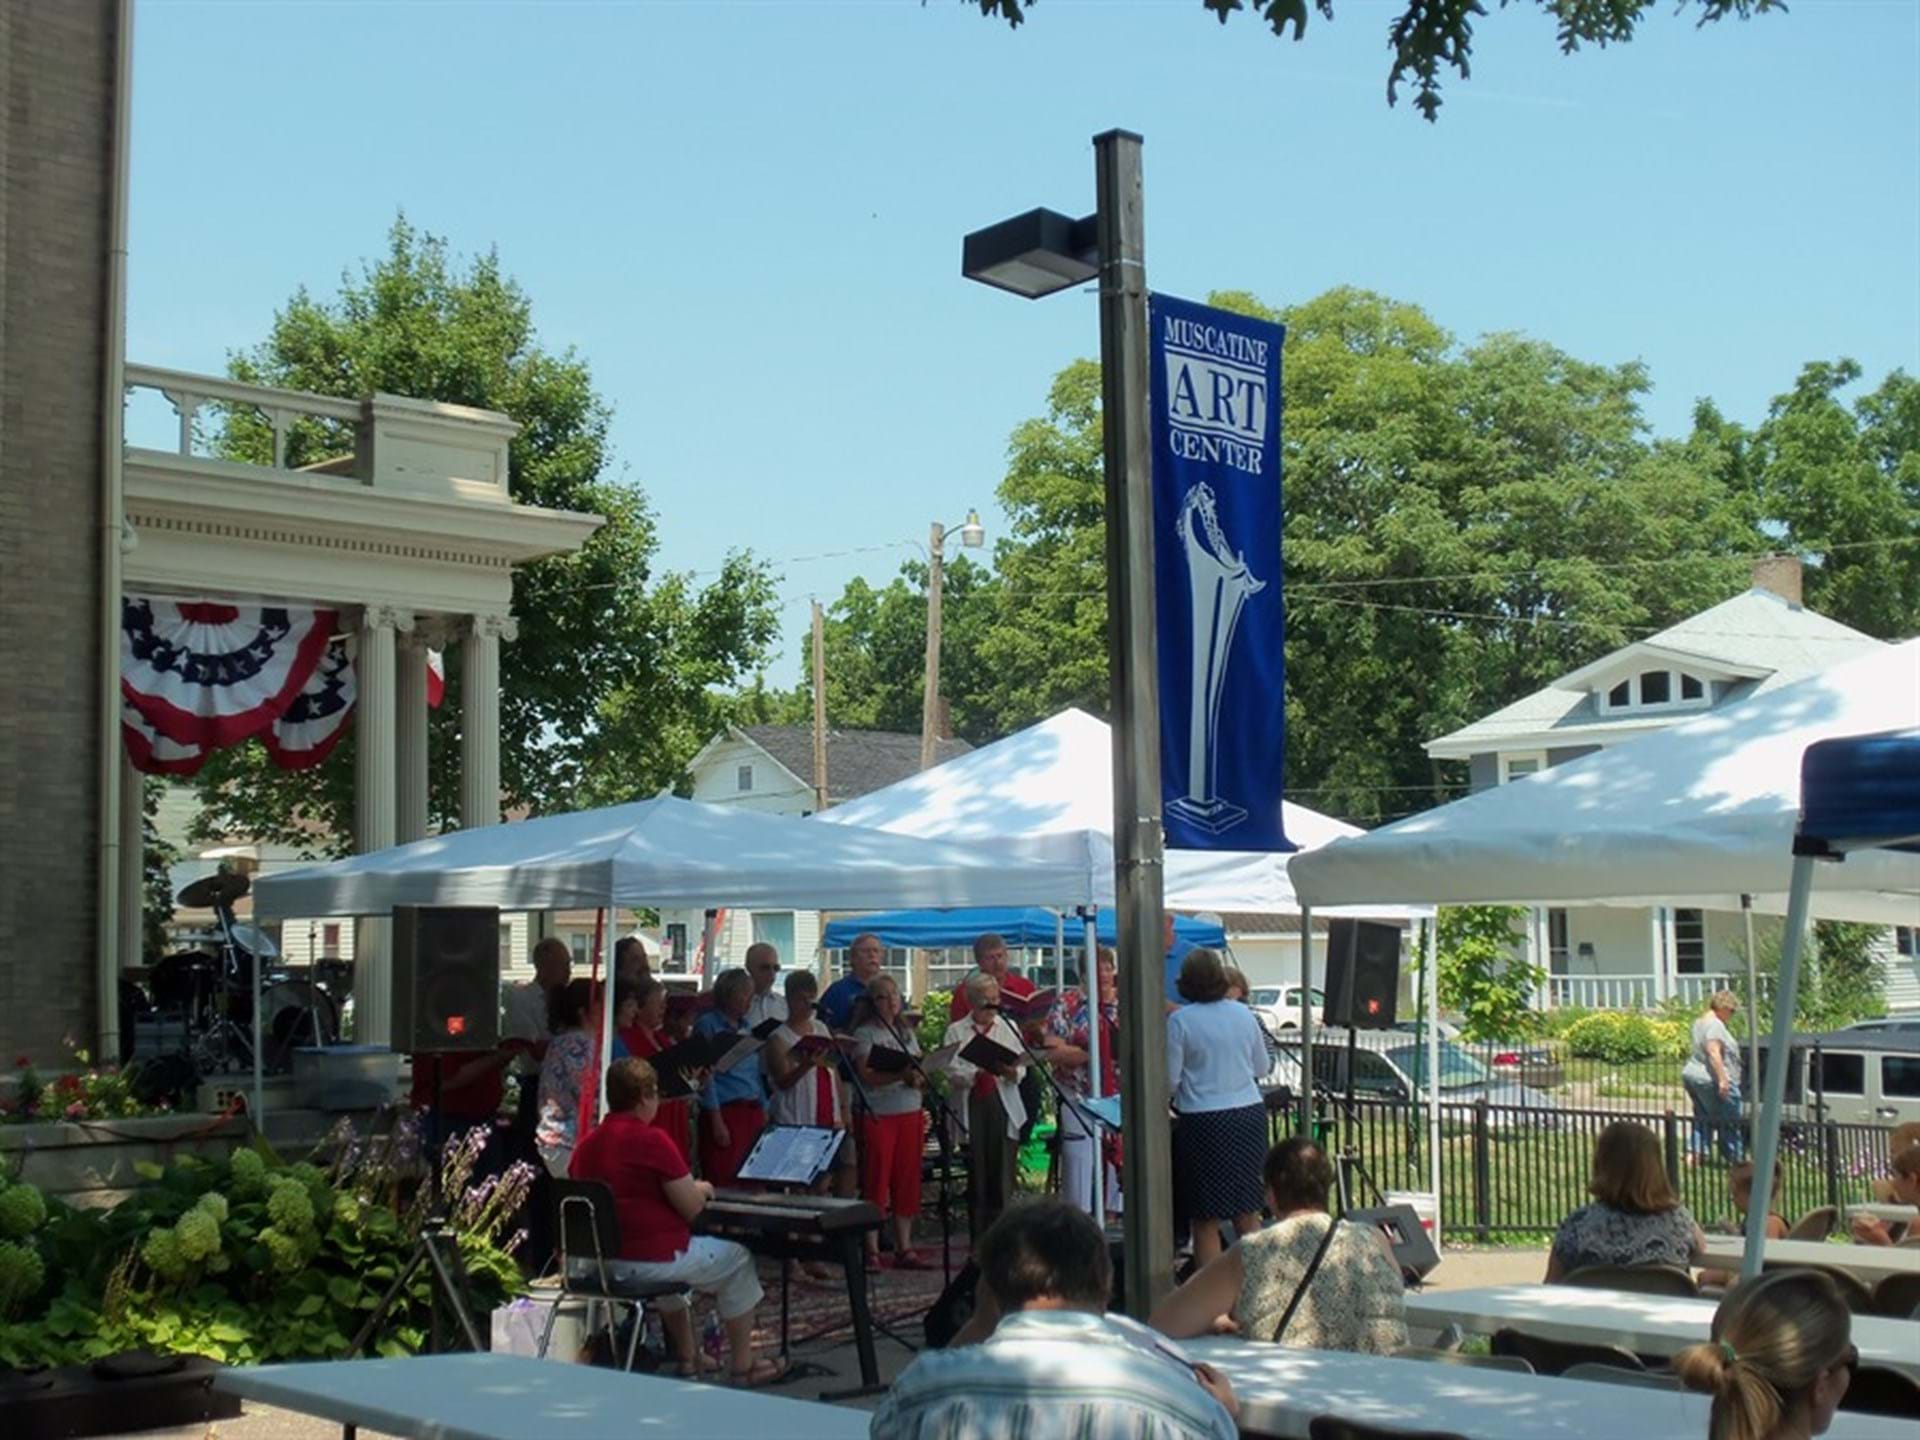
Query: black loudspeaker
[
  {"x": 1363, "y": 975},
  {"x": 446, "y": 978},
  {"x": 1412, "y": 1246}
]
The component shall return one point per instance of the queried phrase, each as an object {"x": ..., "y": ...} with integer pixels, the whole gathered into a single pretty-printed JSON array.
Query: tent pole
[
  {"x": 1431, "y": 981},
  {"x": 1090, "y": 988},
  {"x": 1060, "y": 951},
  {"x": 1753, "y": 1003},
  {"x": 607, "y": 1000},
  {"x": 1780, "y": 1059},
  {"x": 1306, "y": 1021}
]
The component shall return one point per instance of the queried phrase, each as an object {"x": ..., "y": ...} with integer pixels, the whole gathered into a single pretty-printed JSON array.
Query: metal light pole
[
  {"x": 1041, "y": 253},
  {"x": 972, "y": 535}
]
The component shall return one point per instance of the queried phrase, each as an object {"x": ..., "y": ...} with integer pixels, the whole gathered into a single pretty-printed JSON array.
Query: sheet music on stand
[
  {"x": 791, "y": 1154},
  {"x": 1105, "y": 1109}
]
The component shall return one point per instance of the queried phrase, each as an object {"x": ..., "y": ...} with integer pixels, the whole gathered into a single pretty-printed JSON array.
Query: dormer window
[
  {"x": 743, "y": 779},
  {"x": 1657, "y": 690}
]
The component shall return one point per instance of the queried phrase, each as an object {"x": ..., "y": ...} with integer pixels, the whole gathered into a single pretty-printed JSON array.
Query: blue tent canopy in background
[
  {"x": 1031, "y": 927},
  {"x": 1860, "y": 791}
]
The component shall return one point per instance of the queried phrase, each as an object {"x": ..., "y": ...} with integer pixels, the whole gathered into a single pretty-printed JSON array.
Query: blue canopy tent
[
  {"x": 1857, "y": 792},
  {"x": 1030, "y": 927}
]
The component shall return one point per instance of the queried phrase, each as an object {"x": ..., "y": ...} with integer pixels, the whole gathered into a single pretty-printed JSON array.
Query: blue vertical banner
[{"x": 1216, "y": 537}]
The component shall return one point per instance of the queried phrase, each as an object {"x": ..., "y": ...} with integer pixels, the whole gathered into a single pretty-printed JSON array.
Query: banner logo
[{"x": 1216, "y": 482}]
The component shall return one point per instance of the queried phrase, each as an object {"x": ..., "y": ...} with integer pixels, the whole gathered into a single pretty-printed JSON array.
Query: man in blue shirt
[
  {"x": 866, "y": 957},
  {"x": 1177, "y": 951},
  {"x": 733, "y": 1107}
]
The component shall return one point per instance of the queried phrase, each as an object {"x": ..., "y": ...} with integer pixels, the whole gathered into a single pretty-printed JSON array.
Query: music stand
[{"x": 791, "y": 1155}]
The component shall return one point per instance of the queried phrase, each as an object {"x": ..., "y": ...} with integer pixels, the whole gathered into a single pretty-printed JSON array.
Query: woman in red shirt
[
  {"x": 656, "y": 1201},
  {"x": 646, "y": 1037}
]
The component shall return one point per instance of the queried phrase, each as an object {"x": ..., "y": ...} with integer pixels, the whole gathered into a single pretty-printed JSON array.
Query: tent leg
[
  {"x": 1060, "y": 952},
  {"x": 1431, "y": 980},
  {"x": 1306, "y": 1021},
  {"x": 1753, "y": 1003},
  {"x": 1090, "y": 987},
  {"x": 608, "y": 996},
  {"x": 1766, "y": 1150}
]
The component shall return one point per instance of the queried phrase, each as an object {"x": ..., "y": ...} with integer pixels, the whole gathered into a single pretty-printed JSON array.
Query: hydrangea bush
[{"x": 250, "y": 1259}]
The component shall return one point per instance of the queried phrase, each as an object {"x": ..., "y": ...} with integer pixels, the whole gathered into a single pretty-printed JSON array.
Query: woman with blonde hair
[
  {"x": 1635, "y": 1218},
  {"x": 1780, "y": 1359},
  {"x": 1712, "y": 1080}
]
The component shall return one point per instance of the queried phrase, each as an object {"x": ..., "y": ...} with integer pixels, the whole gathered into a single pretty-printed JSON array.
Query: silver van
[{"x": 1862, "y": 1077}]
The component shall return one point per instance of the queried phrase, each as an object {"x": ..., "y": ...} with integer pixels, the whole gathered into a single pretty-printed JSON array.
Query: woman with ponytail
[{"x": 1779, "y": 1361}]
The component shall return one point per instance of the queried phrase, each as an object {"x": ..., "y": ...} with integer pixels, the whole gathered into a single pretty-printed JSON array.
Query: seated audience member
[
  {"x": 1740, "y": 1188},
  {"x": 893, "y": 1126},
  {"x": 1900, "y": 1138},
  {"x": 655, "y": 1201},
  {"x": 1779, "y": 1361},
  {"x": 1357, "y": 1300},
  {"x": 575, "y": 1024},
  {"x": 1635, "y": 1217},
  {"x": 990, "y": 958},
  {"x": 732, "y": 1106},
  {"x": 866, "y": 958},
  {"x": 809, "y": 1092},
  {"x": 1904, "y": 1189},
  {"x": 1051, "y": 1365},
  {"x": 994, "y": 1111}
]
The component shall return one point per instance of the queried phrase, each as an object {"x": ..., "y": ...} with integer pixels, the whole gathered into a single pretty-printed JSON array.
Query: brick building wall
[{"x": 56, "y": 182}]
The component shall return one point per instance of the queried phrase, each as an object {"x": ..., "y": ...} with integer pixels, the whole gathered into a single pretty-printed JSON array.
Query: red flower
[{"x": 21, "y": 1062}]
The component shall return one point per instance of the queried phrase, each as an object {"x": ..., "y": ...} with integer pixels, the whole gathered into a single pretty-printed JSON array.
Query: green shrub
[{"x": 1619, "y": 1037}]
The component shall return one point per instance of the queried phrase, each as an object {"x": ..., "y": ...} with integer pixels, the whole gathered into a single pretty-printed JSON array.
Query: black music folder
[
  {"x": 885, "y": 1060},
  {"x": 983, "y": 1051},
  {"x": 696, "y": 1052}
]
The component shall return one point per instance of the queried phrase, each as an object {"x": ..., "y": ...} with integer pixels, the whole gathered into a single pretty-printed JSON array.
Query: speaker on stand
[
  {"x": 1362, "y": 993},
  {"x": 446, "y": 978}
]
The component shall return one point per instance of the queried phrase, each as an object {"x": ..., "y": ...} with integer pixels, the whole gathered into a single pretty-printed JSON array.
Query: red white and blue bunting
[{"x": 197, "y": 676}]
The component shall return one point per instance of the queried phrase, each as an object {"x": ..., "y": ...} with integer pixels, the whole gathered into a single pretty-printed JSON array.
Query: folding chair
[
  {"x": 1876, "y": 1390},
  {"x": 585, "y": 1224},
  {"x": 1640, "y": 1279},
  {"x": 1852, "y": 1288},
  {"x": 1553, "y": 1357},
  {"x": 1816, "y": 1224},
  {"x": 1459, "y": 1357},
  {"x": 1897, "y": 1297}
]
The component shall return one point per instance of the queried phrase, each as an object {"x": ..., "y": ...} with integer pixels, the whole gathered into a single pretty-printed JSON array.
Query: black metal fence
[{"x": 1518, "y": 1170}]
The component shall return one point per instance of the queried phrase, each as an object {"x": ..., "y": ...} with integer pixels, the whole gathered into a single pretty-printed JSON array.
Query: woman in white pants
[{"x": 1068, "y": 1052}]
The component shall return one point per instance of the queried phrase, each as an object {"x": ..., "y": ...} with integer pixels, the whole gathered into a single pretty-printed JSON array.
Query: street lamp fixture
[
  {"x": 972, "y": 535},
  {"x": 1034, "y": 254},
  {"x": 1041, "y": 253}
]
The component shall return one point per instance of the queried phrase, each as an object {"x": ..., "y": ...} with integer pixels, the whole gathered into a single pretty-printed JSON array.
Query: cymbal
[{"x": 212, "y": 891}]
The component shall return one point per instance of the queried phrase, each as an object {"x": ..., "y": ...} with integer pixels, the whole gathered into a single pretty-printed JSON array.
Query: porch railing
[{"x": 1633, "y": 992}]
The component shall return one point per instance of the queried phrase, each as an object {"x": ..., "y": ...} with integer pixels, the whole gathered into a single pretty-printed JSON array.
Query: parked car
[
  {"x": 1532, "y": 1064},
  {"x": 1387, "y": 1065},
  {"x": 1864, "y": 1077},
  {"x": 1279, "y": 1005}
]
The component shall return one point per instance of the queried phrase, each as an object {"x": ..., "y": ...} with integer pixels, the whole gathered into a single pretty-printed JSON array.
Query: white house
[
  {"x": 1618, "y": 957},
  {"x": 770, "y": 768}
]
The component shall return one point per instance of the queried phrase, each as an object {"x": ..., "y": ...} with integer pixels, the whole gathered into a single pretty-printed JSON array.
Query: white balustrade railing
[
  {"x": 1635, "y": 992},
  {"x": 189, "y": 394}
]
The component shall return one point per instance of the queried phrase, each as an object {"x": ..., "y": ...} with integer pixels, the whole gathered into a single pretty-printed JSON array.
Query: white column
[
  {"x": 411, "y": 757},
  {"x": 480, "y": 719},
  {"x": 1657, "y": 939},
  {"x": 133, "y": 790},
  {"x": 375, "y": 809}
]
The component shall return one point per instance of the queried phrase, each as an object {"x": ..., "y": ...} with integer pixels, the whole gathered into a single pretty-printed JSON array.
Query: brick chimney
[{"x": 1780, "y": 574}]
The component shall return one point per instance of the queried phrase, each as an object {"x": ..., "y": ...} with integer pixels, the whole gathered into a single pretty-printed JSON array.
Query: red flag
[{"x": 436, "y": 679}]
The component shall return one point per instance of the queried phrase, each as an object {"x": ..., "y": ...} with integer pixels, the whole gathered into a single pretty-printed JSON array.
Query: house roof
[
  {"x": 858, "y": 761},
  {"x": 1758, "y": 640}
]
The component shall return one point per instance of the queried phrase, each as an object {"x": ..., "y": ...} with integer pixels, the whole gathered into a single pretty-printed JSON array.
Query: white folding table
[
  {"x": 1869, "y": 1262},
  {"x": 1280, "y": 1390},
  {"x": 509, "y": 1397},
  {"x": 1644, "y": 1324},
  {"x": 1895, "y": 1214}
]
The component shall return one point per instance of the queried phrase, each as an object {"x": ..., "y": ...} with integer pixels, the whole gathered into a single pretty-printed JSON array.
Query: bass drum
[{"x": 292, "y": 1011}]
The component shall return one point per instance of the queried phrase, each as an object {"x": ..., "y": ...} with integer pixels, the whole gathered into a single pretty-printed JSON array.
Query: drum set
[{"x": 203, "y": 998}]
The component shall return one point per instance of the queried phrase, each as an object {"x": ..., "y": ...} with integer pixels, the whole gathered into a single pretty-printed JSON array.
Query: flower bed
[{"x": 247, "y": 1258}]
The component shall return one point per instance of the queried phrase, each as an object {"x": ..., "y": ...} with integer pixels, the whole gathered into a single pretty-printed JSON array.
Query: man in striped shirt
[{"x": 1054, "y": 1367}]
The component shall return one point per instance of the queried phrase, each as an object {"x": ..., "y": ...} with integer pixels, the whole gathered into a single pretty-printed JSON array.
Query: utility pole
[
  {"x": 1139, "y": 886},
  {"x": 930, "y": 690},
  {"x": 819, "y": 709}
]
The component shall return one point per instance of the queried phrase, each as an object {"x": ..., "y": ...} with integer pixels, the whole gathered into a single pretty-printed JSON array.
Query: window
[
  {"x": 1900, "y": 1077},
  {"x": 330, "y": 940},
  {"x": 506, "y": 943},
  {"x": 743, "y": 779},
  {"x": 579, "y": 944},
  {"x": 1557, "y": 948},
  {"x": 1521, "y": 764},
  {"x": 1691, "y": 688},
  {"x": 1689, "y": 942},
  {"x": 1657, "y": 690},
  {"x": 775, "y": 928},
  {"x": 1906, "y": 940},
  {"x": 1843, "y": 1073},
  {"x": 1656, "y": 687},
  {"x": 676, "y": 947},
  {"x": 1620, "y": 696}
]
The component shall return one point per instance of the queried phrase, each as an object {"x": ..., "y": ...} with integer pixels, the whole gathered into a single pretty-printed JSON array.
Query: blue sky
[{"x": 746, "y": 214}]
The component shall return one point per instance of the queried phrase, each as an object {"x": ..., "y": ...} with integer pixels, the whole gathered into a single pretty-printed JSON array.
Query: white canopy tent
[
  {"x": 1697, "y": 814},
  {"x": 669, "y": 853},
  {"x": 1046, "y": 794}
]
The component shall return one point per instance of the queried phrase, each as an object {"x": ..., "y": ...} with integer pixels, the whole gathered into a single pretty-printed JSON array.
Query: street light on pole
[
  {"x": 1038, "y": 254},
  {"x": 972, "y": 535}
]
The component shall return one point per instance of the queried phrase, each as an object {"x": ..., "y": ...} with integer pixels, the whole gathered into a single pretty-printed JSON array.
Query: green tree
[
  {"x": 616, "y": 676},
  {"x": 1428, "y": 36},
  {"x": 1482, "y": 978},
  {"x": 158, "y": 856}
]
